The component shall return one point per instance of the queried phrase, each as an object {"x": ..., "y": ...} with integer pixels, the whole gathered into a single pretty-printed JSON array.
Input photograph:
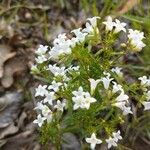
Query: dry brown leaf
[
  {"x": 5, "y": 54},
  {"x": 10, "y": 103},
  {"x": 16, "y": 65}
]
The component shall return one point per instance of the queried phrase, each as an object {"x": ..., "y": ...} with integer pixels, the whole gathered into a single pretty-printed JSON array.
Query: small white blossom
[
  {"x": 117, "y": 136},
  {"x": 45, "y": 110},
  {"x": 120, "y": 105},
  {"x": 93, "y": 21},
  {"x": 93, "y": 84},
  {"x": 88, "y": 100},
  {"x": 60, "y": 105},
  {"x": 117, "y": 87},
  {"x": 39, "y": 120},
  {"x": 111, "y": 142},
  {"x": 117, "y": 70},
  {"x": 41, "y": 59},
  {"x": 49, "y": 98},
  {"x": 93, "y": 141},
  {"x": 41, "y": 90},
  {"x": 144, "y": 81},
  {"x": 146, "y": 105},
  {"x": 78, "y": 102},
  {"x": 55, "y": 86},
  {"x": 119, "y": 26},
  {"x": 127, "y": 110},
  {"x": 135, "y": 38},
  {"x": 109, "y": 23},
  {"x": 80, "y": 36},
  {"x": 41, "y": 50},
  {"x": 106, "y": 81},
  {"x": 57, "y": 71},
  {"x": 122, "y": 97},
  {"x": 80, "y": 92},
  {"x": 39, "y": 106}
]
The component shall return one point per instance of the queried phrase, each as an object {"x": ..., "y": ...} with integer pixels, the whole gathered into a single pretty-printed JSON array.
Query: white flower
[
  {"x": 41, "y": 90},
  {"x": 88, "y": 28},
  {"x": 119, "y": 26},
  {"x": 39, "y": 120},
  {"x": 117, "y": 136},
  {"x": 41, "y": 50},
  {"x": 106, "y": 81},
  {"x": 60, "y": 105},
  {"x": 93, "y": 84},
  {"x": 93, "y": 141},
  {"x": 45, "y": 110},
  {"x": 49, "y": 98},
  {"x": 39, "y": 106},
  {"x": 135, "y": 38},
  {"x": 55, "y": 86},
  {"x": 109, "y": 24},
  {"x": 78, "y": 102},
  {"x": 93, "y": 21},
  {"x": 62, "y": 46},
  {"x": 117, "y": 70},
  {"x": 117, "y": 87},
  {"x": 80, "y": 92},
  {"x": 122, "y": 97},
  {"x": 135, "y": 35},
  {"x": 146, "y": 105},
  {"x": 120, "y": 105},
  {"x": 80, "y": 36},
  {"x": 57, "y": 71},
  {"x": 88, "y": 100},
  {"x": 111, "y": 142},
  {"x": 127, "y": 110},
  {"x": 41, "y": 59},
  {"x": 144, "y": 81}
]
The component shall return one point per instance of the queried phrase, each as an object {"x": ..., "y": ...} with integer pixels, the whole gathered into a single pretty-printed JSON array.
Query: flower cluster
[{"x": 82, "y": 90}]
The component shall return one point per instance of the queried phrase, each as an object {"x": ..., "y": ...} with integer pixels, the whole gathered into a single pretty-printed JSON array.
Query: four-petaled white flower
[
  {"x": 135, "y": 39},
  {"x": 60, "y": 105},
  {"x": 117, "y": 136},
  {"x": 146, "y": 105},
  {"x": 54, "y": 86},
  {"x": 78, "y": 102},
  {"x": 41, "y": 50},
  {"x": 39, "y": 120},
  {"x": 106, "y": 81},
  {"x": 117, "y": 70},
  {"x": 93, "y": 141},
  {"x": 127, "y": 110},
  {"x": 88, "y": 100},
  {"x": 144, "y": 81},
  {"x": 93, "y": 21},
  {"x": 116, "y": 87},
  {"x": 39, "y": 106},
  {"x": 109, "y": 23},
  {"x": 122, "y": 97},
  {"x": 93, "y": 84},
  {"x": 46, "y": 111},
  {"x": 79, "y": 35},
  {"x": 41, "y": 90},
  {"x": 119, "y": 26},
  {"x": 57, "y": 71},
  {"x": 40, "y": 59},
  {"x": 49, "y": 98},
  {"x": 80, "y": 92},
  {"x": 111, "y": 142}
]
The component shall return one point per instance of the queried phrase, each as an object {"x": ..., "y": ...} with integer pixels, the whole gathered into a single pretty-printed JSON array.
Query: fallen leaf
[
  {"x": 5, "y": 54},
  {"x": 16, "y": 65},
  {"x": 10, "y": 104}
]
